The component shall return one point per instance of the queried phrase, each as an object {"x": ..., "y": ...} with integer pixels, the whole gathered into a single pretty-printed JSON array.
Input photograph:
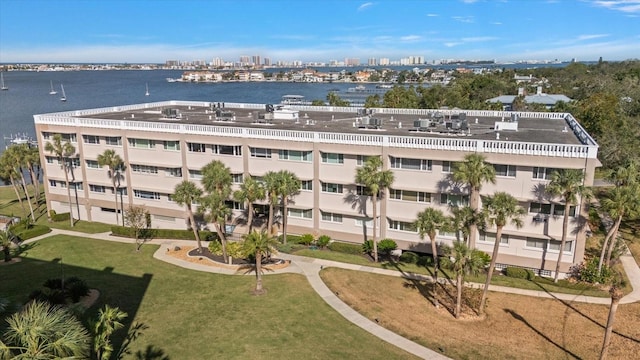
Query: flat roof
[{"x": 531, "y": 127}]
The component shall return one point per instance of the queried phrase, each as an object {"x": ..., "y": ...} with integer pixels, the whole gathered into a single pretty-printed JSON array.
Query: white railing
[{"x": 588, "y": 150}]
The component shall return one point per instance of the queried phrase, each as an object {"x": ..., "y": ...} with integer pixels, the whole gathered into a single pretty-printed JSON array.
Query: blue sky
[{"x": 154, "y": 31}]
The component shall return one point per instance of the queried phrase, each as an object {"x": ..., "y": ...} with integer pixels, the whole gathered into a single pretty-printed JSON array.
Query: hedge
[
  {"x": 164, "y": 233},
  {"x": 519, "y": 273},
  {"x": 347, "y": 248},
  {"x": 35, "y": 230},
  {"x": 55, "y": 217}
]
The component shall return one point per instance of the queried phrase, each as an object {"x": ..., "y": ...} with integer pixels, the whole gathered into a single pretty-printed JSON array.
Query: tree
[
  {"x": 474, "y": 171},
  {"x": 462, "y": 260},
  {"x": 259, "y": 244},
  {"x": 8, "y": 172},
  {"x": 271, "y": 187},
  {"x": 18, "y": 157},
  {"x": 108, "y": 321},
  {"x": 216, "y": 177},
  {"x": 334, "y": 100},
  {"x": 616, "y": 294},
  {"x": 63, "y": 151},
  {"x": 6, "y": 238},
  {"x": 114, "y": 164},
  {"x": 186, "y": 193},
  {"x": 44, "y": 331},
  {"x": 32, "y": 160},
  {"x": 375, "y": 180},
  {"x": 429, "y": 221},
  {"x": 216, "y": 211},
  {"x": 621, "y": 202},
  {"x": 568, "y": 185},
  {"x": 136, "y": 217},
  {"x": 500, "y": 209},
  {"x": 462, "y": 218},
  {"x": 288, "y": 186},
  {"x": 250, "y": 192}
]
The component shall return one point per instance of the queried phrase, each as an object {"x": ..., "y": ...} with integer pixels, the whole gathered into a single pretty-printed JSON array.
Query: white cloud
[
  {"x": 364, "y": 6},
  {"x": 410, "y": 38},
  {"x": 627, "y": 6},
  {"x": 452, "y": 44},
  {"x": 463, "y": 19},
  {"x": 479, "y": 39},
  {"x": 496, "y": 23},
  {"x": 469, "y": 1},
  {"x": 591, "y": 36},
  {"x": 432, "y": 15}
]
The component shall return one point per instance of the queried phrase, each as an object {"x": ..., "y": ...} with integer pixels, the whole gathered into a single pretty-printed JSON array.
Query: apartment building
[{"x": 166, "y": 142}]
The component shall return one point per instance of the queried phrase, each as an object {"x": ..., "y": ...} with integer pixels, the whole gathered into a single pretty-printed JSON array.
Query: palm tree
[
  {"x": 108, "y": 321},
  {"x": 114, "y": 163},
  {"x": 288, "y": 186},
  {"x": 44, "y": 331},
  {"x": 216, "y": 177},
  {"x": 462, "y": 260},
  {"x": 186, "y": 193},
  {"x": 474, "y": 171},
  {"x": 17, "y": 155},
  {"x": 429, "y": 221},
  {"x": 6, "y": 238},
  {"x": 375, "y": 180},
  {"x": 259, "y": 244},
  {"x": 62, "y": 151},
  {"x": 250, "y": 192},
  {"x": 616, "y": 294},
  {"x": 271, "y": 183},
  {"x": 621, "y": 202},
  {"x": 462, "y": 218},
  {"x": 500, "y": 209},
  {"x": 566, "y": 184},
  {"x": 32, "y": 159},
  {"x": 217, "y": 212},
  {"x": 8, "y": 172}
]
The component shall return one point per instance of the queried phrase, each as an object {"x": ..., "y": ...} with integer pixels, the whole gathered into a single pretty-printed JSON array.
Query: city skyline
[{"x": 156, "y": 31}]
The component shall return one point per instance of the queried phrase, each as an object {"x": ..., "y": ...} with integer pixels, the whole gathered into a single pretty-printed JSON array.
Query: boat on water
[
  {"x": 64, "y": 96},
  {"x": 294, "y": 100},
  {"x": 361, "y": 89},
  {"x": 2, "y": 85},
  {"x": 52, "y": 91},
  {"x": 171, "y": 80},
  {"x": 147, "y": 92},
  {"x": 19, "y": 139}
]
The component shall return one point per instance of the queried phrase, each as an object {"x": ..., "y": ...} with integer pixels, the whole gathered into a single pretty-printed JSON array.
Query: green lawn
[
  {"x": 196, "y": 315},
  {"x": 538, "y": 284}
]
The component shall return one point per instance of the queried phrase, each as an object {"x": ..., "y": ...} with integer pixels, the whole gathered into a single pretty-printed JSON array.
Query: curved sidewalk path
[{"x": 310, "y": 268}]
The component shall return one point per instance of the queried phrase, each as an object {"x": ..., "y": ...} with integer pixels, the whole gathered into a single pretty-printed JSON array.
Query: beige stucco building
[{"x": 167, "y": 142}]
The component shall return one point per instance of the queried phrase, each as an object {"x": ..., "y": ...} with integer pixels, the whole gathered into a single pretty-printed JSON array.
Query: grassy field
[
  {"x": 195, "y": 315},
  {"x": 538, "y": 284},
  {"x": 516, "y": 327}
]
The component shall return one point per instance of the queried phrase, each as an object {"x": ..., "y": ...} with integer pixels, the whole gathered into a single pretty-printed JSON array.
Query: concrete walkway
[{"x": 310, "y": 268}]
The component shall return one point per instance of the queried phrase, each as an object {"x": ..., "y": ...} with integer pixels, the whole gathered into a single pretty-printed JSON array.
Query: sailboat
[
  {"x": 52, "y": 92},
  {"x": 2, "y": 85},
  {"x": 64, "y": 97},
  {"x": 147, "y": 93}
]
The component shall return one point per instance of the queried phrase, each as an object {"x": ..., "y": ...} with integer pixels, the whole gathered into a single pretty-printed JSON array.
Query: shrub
[
  {"x": 367, "y": 247},
  {"x": 589, "y": 272},
  {"x": 306, "y": 239},
  {"x": 385, "y": 246},
  {"x": 26, "y": 234},
  {"x": 235, "y": 250},
  {"x": 409, "y": 257},
  {"x": 163, "y": 233},
  {"x": 215, "y": 247},
  {"x": 519, "y": 273},
  {"x": 424, "y": 261},
  {"x": 323, "y": 241},
  {"x": 76, "y": 288},
  {"x": 55, "y": 217},
  {"x": 346, "y": 248}
]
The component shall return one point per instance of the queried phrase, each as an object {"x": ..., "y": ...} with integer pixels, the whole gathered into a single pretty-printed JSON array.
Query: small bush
[
  {"x": 367, "y": 247},
  {"x": 323, "y": 241},
  {"x": 306, "y": 239},
  {"x": 589, "y": 272},
  {"x": 164, "y": 233},
  {"x": 409, "y": 257},
  {"x": 26, "y": 234},
  {"x": 519, "y": 273},
  {"x": 215, "y": 247},
  {"x": 385, "y": 246},
  {"x": 346, "y": 248},
  {"x": 55, "y": 217},
  {"x": 235, "y": 250},
  {"x": 76, "y": 288},
  {"x": 424, "y": 261}
]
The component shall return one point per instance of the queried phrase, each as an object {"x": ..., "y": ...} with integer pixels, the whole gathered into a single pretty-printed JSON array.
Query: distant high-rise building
[
  {"x": 372, "y": 62},
  {"x": 244, "y": 60},
  {"x": 256, "y": 60},
  {"x": 267, "y": 61},
  {"x": 217, "y": 62},
  {"x": 351, "y": 61},
  {"x": 384, "y": 62}
]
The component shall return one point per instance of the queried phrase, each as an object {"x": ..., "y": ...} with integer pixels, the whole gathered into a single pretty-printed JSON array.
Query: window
[
  {"x": 446, "y": 167},
  {"x": 332, "y": 158},
  {"x": 164, "y": 218},
  {"x": 332, "y": 188},
  {"x": 554, "y": 245},
  {"x": 295, "y": 155},
  {"x": 491, "y": 238},
  {"x": 196, "y": 147},
  {"x": 543, "y": 173},
  {"x": 91, "y": 139},
  {"x": 368, "y": 222},
  {"x": 454, "y": 200},
  {"x": 331, "y": 217},
  {"x": 51, "y": 160},
  {"x": 401, "y": 225},
  {"x": 237, "y": 178},
  {"x": 142, "y": 143},
  {"x": 77, "y": 186},
  {"x": 69, "y": 137},
  {"x": 536, "y": 243},
  {"x": 113, "y": 140},
  {"x": 505, "y": 170},
  {"x": 172, "y": 145},
  {"x": 234, "y": 205},
  {"x": 52, "y": 183},
  {"x": 195, "y": 174},
  {"x": 408, "y": 195},
  {"x": 96, "y": 188},
  {"x": 73, "y": 162},
  {"x": 93, "y": 164},
  {"x": 144, "y": 169},
  {"x": 362, "y": 190},
  {"x": 361, "y": 159},
  {"x": 300, "y": 213},
  {"x": 306, "y": 185},
  {"x": 558, "y": 210},
  {"x": 540, "y": 208},
  {"x": 261, "y": 153},
  {"x": 150, "y": 195},
  {"x": 411, "y": 164},
  {"x": 227, "y": 150},
  {"x": 173, "y": 172}
]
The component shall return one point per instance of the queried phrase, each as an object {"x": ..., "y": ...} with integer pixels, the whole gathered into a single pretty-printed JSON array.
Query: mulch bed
[{"x": 213, "y": 257}]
